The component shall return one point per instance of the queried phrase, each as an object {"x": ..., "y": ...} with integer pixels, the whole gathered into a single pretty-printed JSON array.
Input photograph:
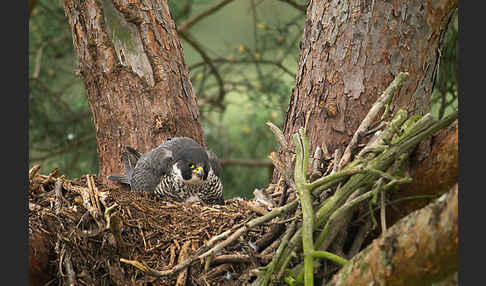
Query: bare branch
[
  {"x": 246, "y": 163},
  {"x": 190, "y": 22},
  {"x": 197, "y": 46},
  {"x": 296, "y": 5}
]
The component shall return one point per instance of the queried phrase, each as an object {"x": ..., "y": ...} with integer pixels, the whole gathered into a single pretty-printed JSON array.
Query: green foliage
[{"x": 61, "y": 133}]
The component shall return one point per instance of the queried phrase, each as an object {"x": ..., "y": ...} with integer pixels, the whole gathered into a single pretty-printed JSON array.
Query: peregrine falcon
[{"x": 178, "y": 169}]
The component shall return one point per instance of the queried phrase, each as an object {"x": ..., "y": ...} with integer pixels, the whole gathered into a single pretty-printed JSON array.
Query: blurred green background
[{"x": 254, "y": 45}]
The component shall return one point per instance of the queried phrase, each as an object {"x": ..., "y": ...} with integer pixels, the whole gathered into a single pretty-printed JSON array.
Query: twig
[
  {"x": 139, "y": 225},
  {"x": 276, "y": 229},
  {"x": 33, "y": 171},
  {"x": 94, "y": 194},
  {"x": 193, "y": 20},
  {"x": 246, "y": 61},
  {"x": 246, "y": 163},
  {"x": 383, "y": 212},
  {"x": 257, "y": 221},
  {"x": 301, "y": 163},
  {"x": 265, "y": 276},
  {"x": 197, "y": 46},
  {"x": 348, "y": 205},
  {"x": 359, "y": 239},
  {"x": 182, "y": 277},
  {"x": 302, "y": 8},
  {"x": 257, "y": 209},
  {"x": 62, "y": 150},
  {"x": 279, "y": 136},
  {"x": 330, "y": 256},
  {"x": 71, "y": 275},
  {"x": 58, "y": 195},
  {"x": 373, "y": 112},
  {"x": 235, "y": 234},
  {"x": 108, "y": 214},
  {"x": 231, "y": 259}
]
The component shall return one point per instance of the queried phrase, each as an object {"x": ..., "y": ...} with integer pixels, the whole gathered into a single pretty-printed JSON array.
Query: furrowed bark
[
  {"x": 350, "y": 52},
  {"x": 420, "y": 249}
]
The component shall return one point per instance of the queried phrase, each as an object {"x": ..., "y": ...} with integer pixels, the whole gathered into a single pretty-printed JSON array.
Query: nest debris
[{"x": 92, "y": 228}]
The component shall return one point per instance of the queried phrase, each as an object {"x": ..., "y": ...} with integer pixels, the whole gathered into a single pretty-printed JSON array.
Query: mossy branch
[{"x": 302, "y": 188}]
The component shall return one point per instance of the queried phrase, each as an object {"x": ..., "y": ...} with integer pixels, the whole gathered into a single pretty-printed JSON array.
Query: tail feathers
[
  {"x": 124, "y": 179},
  {"x": 127, "y": 177}
]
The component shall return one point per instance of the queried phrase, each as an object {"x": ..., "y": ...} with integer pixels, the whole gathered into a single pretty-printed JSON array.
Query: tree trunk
[
  {"x": 420, "y": 249},
  {"x": 137, "y": 84},
  {"x": 433, "y": 176},
  {"x": 351, "y": 51}
]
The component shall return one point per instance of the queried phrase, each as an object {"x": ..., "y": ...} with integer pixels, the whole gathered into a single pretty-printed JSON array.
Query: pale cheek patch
[
  {"x": 177, "y": 172},
  {"x": 194, "y": 179}
]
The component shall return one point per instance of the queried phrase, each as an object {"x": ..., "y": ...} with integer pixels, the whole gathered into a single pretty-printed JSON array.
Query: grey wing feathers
[
  {"x": 149, "y": 169},
  {"x": 177, "y": 144}
]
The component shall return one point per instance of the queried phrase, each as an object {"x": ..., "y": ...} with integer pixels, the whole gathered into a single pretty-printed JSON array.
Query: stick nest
[{"x": 91, "y": 226}]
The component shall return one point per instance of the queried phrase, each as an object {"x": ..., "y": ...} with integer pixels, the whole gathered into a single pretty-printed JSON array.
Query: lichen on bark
[{"x": 127, "y": 42}]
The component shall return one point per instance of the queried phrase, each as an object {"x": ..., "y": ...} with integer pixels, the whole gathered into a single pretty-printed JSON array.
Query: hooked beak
[{"x": 199, "y": 171}]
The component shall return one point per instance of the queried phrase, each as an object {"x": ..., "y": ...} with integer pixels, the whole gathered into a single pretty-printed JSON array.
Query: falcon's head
[{"x": 192, "y": 166}]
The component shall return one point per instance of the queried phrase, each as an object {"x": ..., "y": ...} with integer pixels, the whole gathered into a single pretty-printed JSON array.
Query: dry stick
[
  {"x": 108, "y": 214},
  {"x": 33, "y": 171},
  {"x": 282, "y": 167},
  {"x": 230, "y": 258},
  {"x": 385, "y": 98},
  {"x": 94, "y": 193},
  {"x": 276, "y": 229},
  {"x": 71, "y": 275},
  {"x": 316, "y": 164},
  {"x": 180, "y": 266},
  {"x": 87, "y": 203},
  {"x": 59, "y": 197},
  {"x": 182, "y": 277},
  {"x": 279, "y": 136},
  {"x": 257, "y": 221},
  {"x": 383, "y": 212}
]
